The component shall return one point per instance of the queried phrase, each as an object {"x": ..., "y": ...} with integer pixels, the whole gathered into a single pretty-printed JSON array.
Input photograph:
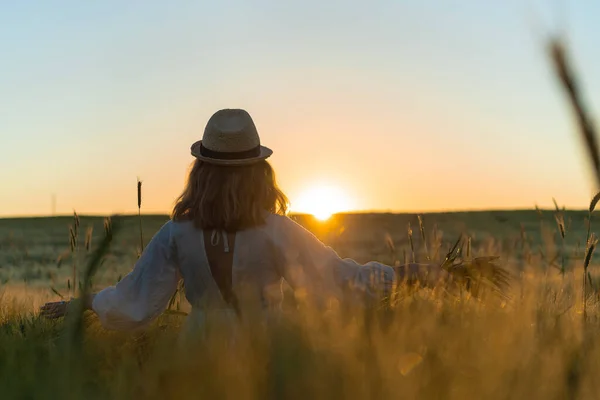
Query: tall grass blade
[
  {"x": 568, "y": 80},
  {"x": 556, "y": 205},
  {"x": 452, "y": 253},
  {"x": 594, "y": 202},
  {"x": 56, "y": 292}
]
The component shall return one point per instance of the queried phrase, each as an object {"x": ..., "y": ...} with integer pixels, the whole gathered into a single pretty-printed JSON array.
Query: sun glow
[{"x": 322, "y": 202}]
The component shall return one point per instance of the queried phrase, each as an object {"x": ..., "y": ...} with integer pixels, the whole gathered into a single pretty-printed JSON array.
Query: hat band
[{"x": 230, "y": 155}]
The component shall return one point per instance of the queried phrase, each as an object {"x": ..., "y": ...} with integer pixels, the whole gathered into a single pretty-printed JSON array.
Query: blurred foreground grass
[{"x": 426, "y": 344}]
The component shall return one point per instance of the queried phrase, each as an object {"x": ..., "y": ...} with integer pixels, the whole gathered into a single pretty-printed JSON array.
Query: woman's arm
[
  {"x": 312, "y": 264},
  {"x": 141, "y": 295}
]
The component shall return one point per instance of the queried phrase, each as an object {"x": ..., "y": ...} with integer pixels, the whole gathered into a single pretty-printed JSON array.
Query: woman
[{"x": 230, "y": 241}]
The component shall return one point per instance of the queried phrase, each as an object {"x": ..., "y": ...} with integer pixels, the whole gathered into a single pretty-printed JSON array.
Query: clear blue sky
[{"x": 404, "y": 105}]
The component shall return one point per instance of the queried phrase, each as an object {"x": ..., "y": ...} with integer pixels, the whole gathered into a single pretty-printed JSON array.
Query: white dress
[{"x": 262, "y": 257}]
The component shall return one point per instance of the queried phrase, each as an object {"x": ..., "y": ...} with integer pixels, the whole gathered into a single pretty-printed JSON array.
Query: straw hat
[{"x": 230, "y": 138}]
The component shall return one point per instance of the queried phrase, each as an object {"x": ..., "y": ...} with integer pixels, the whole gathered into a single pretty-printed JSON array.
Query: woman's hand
[
  {"x": 55, "y": 309},
  {"x": 59, "y": 309}
]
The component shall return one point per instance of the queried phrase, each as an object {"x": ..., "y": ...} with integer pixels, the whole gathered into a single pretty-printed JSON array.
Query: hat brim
[{"x": 265, "y": 153}]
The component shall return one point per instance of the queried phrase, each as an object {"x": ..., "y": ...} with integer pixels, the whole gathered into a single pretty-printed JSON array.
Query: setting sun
[{"x": 322, "y": 202}]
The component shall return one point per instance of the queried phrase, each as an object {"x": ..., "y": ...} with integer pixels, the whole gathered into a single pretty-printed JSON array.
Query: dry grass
[{"x": 425, "y": 344}]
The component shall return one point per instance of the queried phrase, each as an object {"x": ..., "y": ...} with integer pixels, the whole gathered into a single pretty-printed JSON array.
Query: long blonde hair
[{"x": 229, "y": 198}]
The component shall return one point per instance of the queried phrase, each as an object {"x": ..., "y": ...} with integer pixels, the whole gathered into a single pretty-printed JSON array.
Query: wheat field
[{"x": 425, "y": 344}]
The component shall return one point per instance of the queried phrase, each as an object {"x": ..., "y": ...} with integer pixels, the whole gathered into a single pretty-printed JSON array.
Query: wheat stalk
[
  {"x": 475, "y": 272},
  {"x": 88, "y": 238},
  {"x": 423, "y": 237},
  {"x": 410, "y": 241},
  {"x": 74, "y": 244},
  {"x": 591, "y": 242},
  {"x": 139, "y": 204}
]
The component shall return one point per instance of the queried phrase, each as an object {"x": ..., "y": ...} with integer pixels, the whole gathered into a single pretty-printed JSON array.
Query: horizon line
[{"x": 357, "y": 212}]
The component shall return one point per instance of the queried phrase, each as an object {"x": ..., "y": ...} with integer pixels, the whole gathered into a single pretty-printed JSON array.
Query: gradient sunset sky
[{"x": 403, "y": 105}]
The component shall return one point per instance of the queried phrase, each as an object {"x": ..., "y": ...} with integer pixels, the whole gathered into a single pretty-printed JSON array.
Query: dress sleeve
[
  {"x": 313, "y": 266},
  {"x": 144, "y": 293}
]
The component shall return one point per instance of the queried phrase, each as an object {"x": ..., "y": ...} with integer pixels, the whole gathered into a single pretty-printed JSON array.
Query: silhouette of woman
[{"x": 230, "y": 241}]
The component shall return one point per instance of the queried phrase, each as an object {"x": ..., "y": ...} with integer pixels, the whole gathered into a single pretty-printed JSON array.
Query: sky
[{"x": 399, "y": 105}]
